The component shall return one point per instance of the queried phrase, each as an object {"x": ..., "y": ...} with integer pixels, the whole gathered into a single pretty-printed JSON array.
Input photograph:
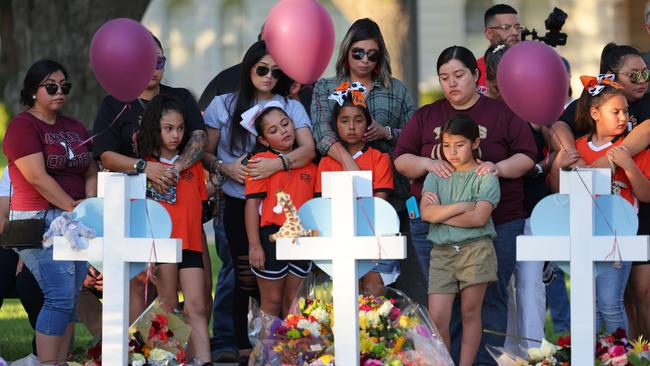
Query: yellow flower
[
  {"x": 640, "y": 345},
  {"x": 404, "y": 321},
  {"x": 363, "y": 320},
  {"x": 277, "y": 348},
  {"x": 399, "y": 343},
  {"x": 326, "y": 359}
]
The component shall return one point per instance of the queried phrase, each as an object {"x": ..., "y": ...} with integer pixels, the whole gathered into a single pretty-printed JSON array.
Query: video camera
[{"x": 553, "y": 24}]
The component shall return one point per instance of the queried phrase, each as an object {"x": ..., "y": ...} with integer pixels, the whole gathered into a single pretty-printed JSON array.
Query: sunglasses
[
  {"x": 508, "y": 27},
  {"x": 264, "y": 70},
  {"x": 359, "y": 53},
  {"x": 638, "y": 77},
  {"x": 160, "y": 62},
  {"x": 52, "y": 88}
]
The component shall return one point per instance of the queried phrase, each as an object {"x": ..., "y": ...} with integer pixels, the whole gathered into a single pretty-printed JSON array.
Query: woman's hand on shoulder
[
  {"x": 260, "y": 168},
  {"x": 375, "y": 132},
  {"x": 621, "y": 156},
  {"x": 440, "y": 168},
  {"x": 487, "y": 167},
  {"x": 235, "y": 170}
]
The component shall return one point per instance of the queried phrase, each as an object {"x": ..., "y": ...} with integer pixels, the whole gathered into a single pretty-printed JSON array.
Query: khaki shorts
[{"x": 452, "y": 268}]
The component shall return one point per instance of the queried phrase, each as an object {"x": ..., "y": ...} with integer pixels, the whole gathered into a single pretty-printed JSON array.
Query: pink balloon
[
  {"x": 299, "y": 35},
  {"x": 123, "y": 58},
  {"x": 533, "y": 82}
]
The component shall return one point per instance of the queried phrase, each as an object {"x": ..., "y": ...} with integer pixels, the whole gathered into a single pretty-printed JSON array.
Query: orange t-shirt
[
  {"x": 620, "y": 183},
  {"x": 298, "y": 183},
  {"x": 186, "y": 212},
  {"x": 367, "y": 159}
]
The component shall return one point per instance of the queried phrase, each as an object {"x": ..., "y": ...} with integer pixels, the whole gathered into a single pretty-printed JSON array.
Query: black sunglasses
[
  {"x": 52, "y": 88},
  {"x": 160, "y": 62},
  {"x": 264, "y": 70},
  {"x": 358, "y": 53}
]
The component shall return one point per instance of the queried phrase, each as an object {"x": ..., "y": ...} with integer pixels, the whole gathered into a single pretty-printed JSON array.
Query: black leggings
[
  {"x": 24, "y": 286},
  {"x": 245, "y": 282}
]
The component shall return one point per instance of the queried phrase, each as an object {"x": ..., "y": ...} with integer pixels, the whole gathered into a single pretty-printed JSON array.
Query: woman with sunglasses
[
  {"x": 631, "y": 71},
  {"x": 363, "y": 57},
  {"x": 51, "y": 169},
  {"x": 230, "y": 143},
  {"x": 507, "y": 150},
  {"x": 114, "y": 131}
]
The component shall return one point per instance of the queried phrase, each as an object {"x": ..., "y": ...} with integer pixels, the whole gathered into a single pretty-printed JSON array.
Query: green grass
[{"x": 16, "y": 333}]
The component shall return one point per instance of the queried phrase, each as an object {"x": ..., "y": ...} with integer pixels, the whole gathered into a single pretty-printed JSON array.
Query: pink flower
[
  {"x": 605, "y": 356},
  {"x": 619, "y": 360},
  {"x": 615, "y": 351},
  {"x": 372, "y": 362}
]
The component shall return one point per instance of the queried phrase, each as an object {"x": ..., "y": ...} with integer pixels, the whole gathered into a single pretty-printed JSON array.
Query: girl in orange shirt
[{"x": 161, "y": 138}]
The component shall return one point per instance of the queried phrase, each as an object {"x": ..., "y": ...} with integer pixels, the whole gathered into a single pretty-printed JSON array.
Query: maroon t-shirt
[
  {"x": 503, "y": 134},
  {"x": 65, "y": 159}
]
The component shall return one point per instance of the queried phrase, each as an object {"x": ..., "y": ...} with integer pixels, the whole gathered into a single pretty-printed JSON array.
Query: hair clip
[{"x": 594, "y": 85}]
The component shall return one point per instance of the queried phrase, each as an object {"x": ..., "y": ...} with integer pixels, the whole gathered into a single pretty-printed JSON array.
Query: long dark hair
[
  {"x": 584, "y": 123},
  {"x": 34, "y": 76},
  {"x": 361, "y": 30},
  {"x": 149, "y": 140},
  {"x": 612, "y": 57},
  {"x": 239, "y": 137},
  {"x": 259, "y": 128},
  {"x": 463, "y": 125},
  {"x": 347, "y": 102}
]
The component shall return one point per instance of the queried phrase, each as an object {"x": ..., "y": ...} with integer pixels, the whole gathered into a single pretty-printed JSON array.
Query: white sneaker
[{"x": 29, "y": 360}]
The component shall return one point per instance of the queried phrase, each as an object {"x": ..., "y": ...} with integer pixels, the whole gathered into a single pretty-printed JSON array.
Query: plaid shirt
[{"x": 389, "y": 107}]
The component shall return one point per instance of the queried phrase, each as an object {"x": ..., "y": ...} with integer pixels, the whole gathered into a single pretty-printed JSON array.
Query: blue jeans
[
  {"x": 557, "y": 299},
  {"x": 223, "y": 330},
  {"x": 60, "y": 281},
  {"x": 419, "y": 230},
  {"x": 610, "y": 286}
]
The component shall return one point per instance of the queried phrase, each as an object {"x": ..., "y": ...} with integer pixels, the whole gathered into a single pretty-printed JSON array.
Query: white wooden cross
[
  {"x": 582, "y": 249},
  {"x": 344, "y": 249},
  {"x": 116, "y": 249}
]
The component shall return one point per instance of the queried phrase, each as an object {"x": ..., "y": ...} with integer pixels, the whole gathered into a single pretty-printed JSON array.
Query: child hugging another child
[
  {"x": 463, "y": 259},
  {"x": 350, "y": 120},
  {"x": 278, "y": 280},
  {"x": 161, "y": 138}
]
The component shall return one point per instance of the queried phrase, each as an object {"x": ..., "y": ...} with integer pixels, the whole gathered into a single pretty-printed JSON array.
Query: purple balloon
[
  {"x": 123, "y": 58},
  {"x": 533, "y": 82}
]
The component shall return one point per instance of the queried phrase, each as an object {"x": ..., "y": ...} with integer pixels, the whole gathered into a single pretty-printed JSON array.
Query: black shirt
[{"x": 119, "y": 137}]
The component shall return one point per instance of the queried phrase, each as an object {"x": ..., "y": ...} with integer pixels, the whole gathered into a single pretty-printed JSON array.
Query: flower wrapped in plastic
[{"x": 393, "y": 330}]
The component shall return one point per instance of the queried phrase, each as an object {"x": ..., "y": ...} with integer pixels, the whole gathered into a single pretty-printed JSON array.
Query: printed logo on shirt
[
  {"x": 306, "y": 177},
  {"x": 187, "y": 175},
  {"x": 65, "y": 141}
]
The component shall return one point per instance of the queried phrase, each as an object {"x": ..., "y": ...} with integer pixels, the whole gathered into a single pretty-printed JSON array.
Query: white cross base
[
  {"x": 116, "y": 249},
  {"x": 344, "y": 249},
  {"x": 581, "y": 248}
]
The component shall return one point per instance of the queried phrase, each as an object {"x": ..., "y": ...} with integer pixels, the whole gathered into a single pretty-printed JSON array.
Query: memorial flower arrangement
[
  {"x": 392, "y": 331},
  {"x": 611, "y": 350}
]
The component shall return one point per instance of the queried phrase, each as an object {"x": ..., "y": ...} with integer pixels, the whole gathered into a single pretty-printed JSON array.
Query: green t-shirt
[{"x": 463, "y": 186}]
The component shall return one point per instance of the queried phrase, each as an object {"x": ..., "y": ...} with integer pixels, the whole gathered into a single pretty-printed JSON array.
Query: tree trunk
[
  {"x": 62, "y": 30},
  {"x": 398, "y": 22}
]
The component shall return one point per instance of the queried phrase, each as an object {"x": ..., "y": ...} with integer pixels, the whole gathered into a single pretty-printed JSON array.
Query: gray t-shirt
[
  {"x": 217, "y": 116},
  {"x": 462, "y": 186}
]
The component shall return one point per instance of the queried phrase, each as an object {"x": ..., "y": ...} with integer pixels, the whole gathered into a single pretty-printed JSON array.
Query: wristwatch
[
  {"x": 538, "y": 170},
  {"x": 390, "y": 133},
  {"x": 140, "y": 165}
]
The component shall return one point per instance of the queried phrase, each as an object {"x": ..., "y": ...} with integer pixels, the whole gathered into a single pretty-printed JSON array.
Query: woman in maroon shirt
[
  {"x": 51, "y": 171},
  {"x": 507, "y": 151}
]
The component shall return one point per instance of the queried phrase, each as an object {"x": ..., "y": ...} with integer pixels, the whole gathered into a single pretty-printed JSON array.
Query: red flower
[
  {"x": 95, "y": 352},
  {"x": 564, "y": 341}
]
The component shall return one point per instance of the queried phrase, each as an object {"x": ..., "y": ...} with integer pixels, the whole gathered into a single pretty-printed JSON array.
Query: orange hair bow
[
  {"x": 355, "y": 89},
  {"x": 595, "y": 85}
]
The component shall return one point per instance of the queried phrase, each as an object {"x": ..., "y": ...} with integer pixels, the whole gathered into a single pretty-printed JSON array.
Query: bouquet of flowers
[
  {"x": 158, "y": 338},
  {"x": 393, "y": 330}
]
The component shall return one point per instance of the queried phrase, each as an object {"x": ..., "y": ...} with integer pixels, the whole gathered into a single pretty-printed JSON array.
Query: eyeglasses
[
  {"x": 160, "y": 62},
  {"x": 358, "y": 53},
  {"x": 264, "y": 70},
  {"x": 638, "y": 77},
  {"x": 52, "y": 88},
  {"x": 508, "y": 27}
]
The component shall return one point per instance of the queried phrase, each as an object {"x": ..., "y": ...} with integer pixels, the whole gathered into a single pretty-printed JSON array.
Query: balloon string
[
  {"x": 104, "y": 130},
  {"x": 615, "y": 247}
]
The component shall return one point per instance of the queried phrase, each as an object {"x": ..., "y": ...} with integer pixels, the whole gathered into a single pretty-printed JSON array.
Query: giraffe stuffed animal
[{"x": 292, "y": 227}]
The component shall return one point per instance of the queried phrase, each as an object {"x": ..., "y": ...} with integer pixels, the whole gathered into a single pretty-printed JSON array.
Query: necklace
[{"x": 41, "y": 116}]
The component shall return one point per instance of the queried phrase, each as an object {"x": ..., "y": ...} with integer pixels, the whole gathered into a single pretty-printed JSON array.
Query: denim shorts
[{"x": 59, "y": 280}]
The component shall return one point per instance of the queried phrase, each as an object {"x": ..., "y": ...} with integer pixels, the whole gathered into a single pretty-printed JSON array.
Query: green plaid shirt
[{"x": 389, "y": 107}]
